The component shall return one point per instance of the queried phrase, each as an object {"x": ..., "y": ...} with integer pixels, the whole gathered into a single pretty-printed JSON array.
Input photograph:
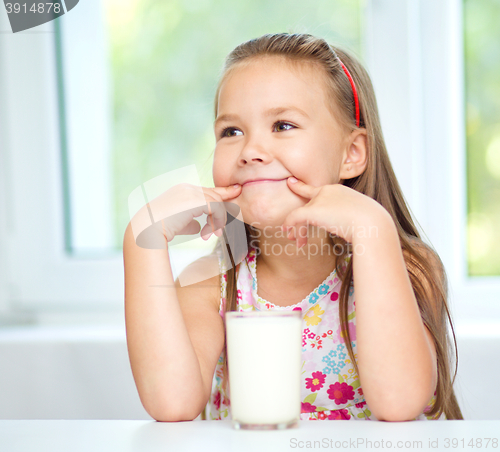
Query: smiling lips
[{"x": 261, "y": 181}]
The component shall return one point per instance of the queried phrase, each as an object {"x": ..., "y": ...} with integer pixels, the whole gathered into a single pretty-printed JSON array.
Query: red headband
[{"x": 353, "y": 86}]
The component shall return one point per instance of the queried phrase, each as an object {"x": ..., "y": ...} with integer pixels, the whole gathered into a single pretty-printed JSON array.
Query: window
[
  {"x": 482, "y": 98},
  {"x": 165, "y": 60},
  {"x": 127, "y": 95},
  {"x": 154, "y": 83},
  {"x": 38, "y": 273},
  {"x": 100, "y": 101},
  {"x": 447, "y": 177}
]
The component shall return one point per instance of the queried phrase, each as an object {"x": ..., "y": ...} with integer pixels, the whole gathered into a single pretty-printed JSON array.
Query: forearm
[
  {"x": 164, "y": 363},
  {"x": 394, "y": 356}
]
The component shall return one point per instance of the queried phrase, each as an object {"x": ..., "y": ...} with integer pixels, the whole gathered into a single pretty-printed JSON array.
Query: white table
[{"x": 145, "y": 436}]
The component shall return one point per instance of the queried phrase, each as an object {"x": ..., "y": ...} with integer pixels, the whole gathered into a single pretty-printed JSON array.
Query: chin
[{"x": 263, "y": 218}]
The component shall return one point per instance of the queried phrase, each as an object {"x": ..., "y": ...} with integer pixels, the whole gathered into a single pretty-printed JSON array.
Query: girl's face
[{"x": 273, "y": 123}]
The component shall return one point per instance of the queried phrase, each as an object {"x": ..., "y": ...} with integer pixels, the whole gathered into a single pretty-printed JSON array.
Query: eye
[
  {"x": 227, "y": 129},
  {"x": 285, "y": 123},
  {"x": 223, "y": 133}
]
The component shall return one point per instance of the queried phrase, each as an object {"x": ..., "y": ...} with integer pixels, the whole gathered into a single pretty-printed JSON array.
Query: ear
[{"x": 355, "y": 156}]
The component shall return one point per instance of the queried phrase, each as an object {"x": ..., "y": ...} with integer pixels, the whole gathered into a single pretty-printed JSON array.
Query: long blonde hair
[{"x": 378, "y": 181}]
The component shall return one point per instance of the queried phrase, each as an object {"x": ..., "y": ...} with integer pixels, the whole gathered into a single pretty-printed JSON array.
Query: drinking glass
[{"x": 264, "y": 365}]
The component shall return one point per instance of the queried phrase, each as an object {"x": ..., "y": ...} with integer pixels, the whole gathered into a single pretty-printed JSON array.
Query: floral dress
[{"x": 330, "y": 387}]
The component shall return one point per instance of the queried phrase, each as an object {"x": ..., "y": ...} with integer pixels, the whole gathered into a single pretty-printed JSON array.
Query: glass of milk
[{"x": 264, "y": 364}]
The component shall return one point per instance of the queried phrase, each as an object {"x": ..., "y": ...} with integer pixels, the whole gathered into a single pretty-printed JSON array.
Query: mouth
[{"x": 262, "y": 181}]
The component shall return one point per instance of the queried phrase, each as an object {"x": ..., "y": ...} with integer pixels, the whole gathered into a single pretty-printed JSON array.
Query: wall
[{"x": 84, "y": 373}]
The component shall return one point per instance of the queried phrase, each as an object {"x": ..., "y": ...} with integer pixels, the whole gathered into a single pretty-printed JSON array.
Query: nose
[{"x": 254, "y": 152}]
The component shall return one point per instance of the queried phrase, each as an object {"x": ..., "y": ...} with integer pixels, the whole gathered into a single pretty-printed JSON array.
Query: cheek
[
  {"x": 316, "y": 176},
  {"x": 307, "y": 164},
  {"x": 220, "y": 176},
  {"x": 316, "y": 170}
]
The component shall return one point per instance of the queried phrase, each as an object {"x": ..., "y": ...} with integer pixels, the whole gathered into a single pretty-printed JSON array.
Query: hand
[
  {"x": 174, "y": 211},
  {"x": 336, "y": 208}
]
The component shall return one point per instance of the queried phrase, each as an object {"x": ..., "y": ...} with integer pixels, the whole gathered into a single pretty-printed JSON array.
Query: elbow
[
  {"x": 172, "y": 414},
  {"x": 173, "y": 410},
  {"x": 174, "y": 417},
  {"x": 401, "y": 411},
  {"x": 394, "y": 416},
  {"x": 401, "y": 403},
  {"x": 171, "y": 403}
]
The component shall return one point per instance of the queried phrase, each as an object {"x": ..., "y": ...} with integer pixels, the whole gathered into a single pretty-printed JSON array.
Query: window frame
[
  {"x": 40, "y": 275},
  {"x": 448, "y": 206},
  {"x": 430, "y": 116}
]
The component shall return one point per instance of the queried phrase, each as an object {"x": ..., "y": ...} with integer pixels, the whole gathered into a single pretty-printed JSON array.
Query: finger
[
  {"x": 301, "y": 188},
  {"x": 228, "y": 192},
  {"x": 206, "y": 236},
  {"x": 217, "y": 217},
  {"x": 297, "y": 223},
  {"x": 295, "y": 218},
  {"x": 299, "y": 234},
  {"x": 215, "y": 211},
  {"x": 192, "y": 228},
  {"x": 207, "y": 231},
  {"x": 302, "y": 231},
  {"x": 210, "y": 219}
]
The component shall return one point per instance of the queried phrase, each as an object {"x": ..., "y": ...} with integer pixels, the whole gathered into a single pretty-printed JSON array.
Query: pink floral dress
[{"x": 330, "y": 387}]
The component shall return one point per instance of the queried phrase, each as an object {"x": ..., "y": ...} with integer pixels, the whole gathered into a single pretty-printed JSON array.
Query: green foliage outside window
[
  {"x": 166, "y": 57},
  {"x": 482, "y": 97}
]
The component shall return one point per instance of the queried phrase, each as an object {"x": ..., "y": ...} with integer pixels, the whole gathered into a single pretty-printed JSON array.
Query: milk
[{"x": 264, "y": 358}]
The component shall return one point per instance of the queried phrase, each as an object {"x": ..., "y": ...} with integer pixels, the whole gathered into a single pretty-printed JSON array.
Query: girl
[{"x": 327, "y": 231}]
